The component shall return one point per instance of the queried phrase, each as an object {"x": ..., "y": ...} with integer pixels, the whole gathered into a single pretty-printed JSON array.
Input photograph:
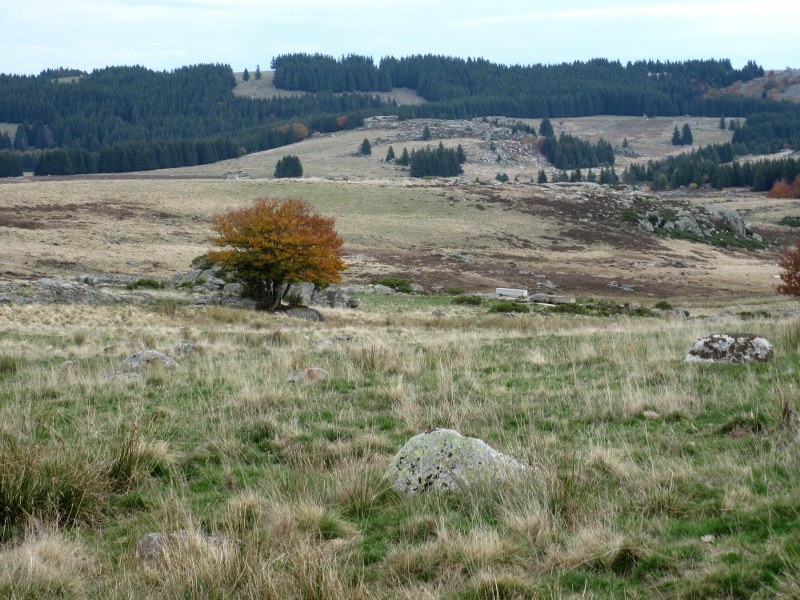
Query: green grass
[{"x": 617, "y": 504}]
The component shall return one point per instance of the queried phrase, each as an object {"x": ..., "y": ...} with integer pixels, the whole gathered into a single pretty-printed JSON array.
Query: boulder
[
  {"x": 184, "y": 348},
  {"x": 551, "y": 299},
  {"x": 730, "y": 348},
  {"x": 733, "y": 220},
  {"x": 303, "y": 290},
  {"x": 308, "y": 375},
  {"x": 443, "y": 459},
  {"x": 146, "y": 357}
]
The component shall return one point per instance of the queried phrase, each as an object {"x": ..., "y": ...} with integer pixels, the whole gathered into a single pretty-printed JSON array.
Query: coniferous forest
[{"x": 122, "y": 119}]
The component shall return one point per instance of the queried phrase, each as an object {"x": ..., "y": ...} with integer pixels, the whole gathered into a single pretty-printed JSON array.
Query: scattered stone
[
  {"x": 184, "y": 348},
  {"x": 118, "y": 373},
  {"x": 707, "y": 539},
  {"x": 730, "y": 348},
  {"x": 308, "y": 375},
  {"x": 417, "y": 288},
  {"x": 161, "y": 545},
  {"x": 725, "y": 315},
  {"x": 438, "y": 313},
  {"x": 302, "y": 312},
  {"x": 442, "y": 459},
  {"x": 146, "y": 357}
]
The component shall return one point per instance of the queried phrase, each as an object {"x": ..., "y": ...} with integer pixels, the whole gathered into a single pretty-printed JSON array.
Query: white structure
[{"x": 512, "y": 293}]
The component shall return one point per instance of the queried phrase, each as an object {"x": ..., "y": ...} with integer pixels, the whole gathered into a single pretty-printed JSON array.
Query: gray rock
[
  {"x": 551, "y": 299},
  {"x": 438, "y": 313},
  {"x": 303, "y": 290},
  {"x": 301, "y": 312},
  {"x": 161, "y": 545},
  {"x": 308, "y": 375},
  {"x": 723, "y": 317},
  {"x": 382, "y": 290},
  {"x": 333, "y": 297},
  {"x": 689, "y": 224},
  {"x": 354, "y": 303},
  {"x": 443, "y": 459},
  {"x": 734, "y": 220},
  {"x": 232, "y": 289},
  {"x": 146, "y": 357},
  {"x": 417, "y": 288},
  {"x": 730, "y": 348},
  {"x": 184, "y": 348}
]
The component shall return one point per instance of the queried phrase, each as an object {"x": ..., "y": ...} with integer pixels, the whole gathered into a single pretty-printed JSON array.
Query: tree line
[
  {"x": 474, "y": 87},
  {"x": 712, "y": 165}
]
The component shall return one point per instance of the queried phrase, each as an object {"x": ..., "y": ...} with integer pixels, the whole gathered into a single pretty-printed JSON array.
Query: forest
[{"x": 120, "y": 119}]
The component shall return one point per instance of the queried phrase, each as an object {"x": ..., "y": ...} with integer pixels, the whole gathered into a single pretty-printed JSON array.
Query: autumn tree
[
  {"x": 790, "y": 263},
  {"x": 275, "y": 243}
]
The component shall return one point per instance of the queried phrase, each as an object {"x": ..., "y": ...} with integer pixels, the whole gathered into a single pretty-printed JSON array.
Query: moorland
[{"x": 646, "y": 476}]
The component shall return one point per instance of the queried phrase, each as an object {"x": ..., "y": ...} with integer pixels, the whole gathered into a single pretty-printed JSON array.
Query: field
[{"x": 647, "y": 477}]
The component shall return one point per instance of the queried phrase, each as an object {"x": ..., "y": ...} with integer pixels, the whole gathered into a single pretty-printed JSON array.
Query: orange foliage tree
[
  {"x": 790, "y": 263},
  {"x": 275, "y": 243}
]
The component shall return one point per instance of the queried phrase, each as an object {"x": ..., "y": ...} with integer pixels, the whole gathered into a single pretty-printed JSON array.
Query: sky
[{"x": 167, "y": 34}]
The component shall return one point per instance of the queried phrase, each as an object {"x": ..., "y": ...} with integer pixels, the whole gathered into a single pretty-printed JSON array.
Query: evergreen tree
[
  {"x": 390, "y": 154},
  {"x": 366, "y": 148},
  {"x": 676, "y": 137},
  {"x": 426, "y": 133},
  {"x": 288, "y": 166},
  {"x": 405, "y": 159},
  {"x": 21, "y": 139},
  {"x": 5, "y": 141},
  {"x": 258, "y": 72},
  {"x": 461, "y": 155},
  {"x": 686, "y": 136},
  {"x": 501, "y": 177},
  {"x": 625, "y": 143},
  {"x": 722, "y": 123},
  {"x": 542, "y": 177},
  {"x": 246, "y": 76},
  {"x": 10, "y": 165},
  {"x": 546, "y": 128}
]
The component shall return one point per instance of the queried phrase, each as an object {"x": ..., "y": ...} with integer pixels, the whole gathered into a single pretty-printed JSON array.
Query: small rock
[
  {"x": 650, "y": 414},
  {"x": 707, "y": 539},
  {"x": 438, "y": 313},
  {"x": 302, "y": 312},
  {"x": 308, "y": 375},
  {"x": 161, "y": 545},
  {"x": 184, "y": 348},
  {"x": 146, "y": 357}
]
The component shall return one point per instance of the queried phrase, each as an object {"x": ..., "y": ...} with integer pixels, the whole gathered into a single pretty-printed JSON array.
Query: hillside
[
  {"x": 471, "y": 232},
  {"x": 775, "y": 85}
]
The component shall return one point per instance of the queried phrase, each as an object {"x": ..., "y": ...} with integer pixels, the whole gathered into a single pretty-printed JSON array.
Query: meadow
[{"x": 648, "y": 477}]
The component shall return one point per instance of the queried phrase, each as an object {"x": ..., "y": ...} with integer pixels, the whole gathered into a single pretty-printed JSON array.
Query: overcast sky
[{"x": 165, "y": 34}]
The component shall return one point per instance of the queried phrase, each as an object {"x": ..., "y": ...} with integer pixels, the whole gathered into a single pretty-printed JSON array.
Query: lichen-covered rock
[
  {"x": 730, "y": 348},
  {"x": 302, "y": 312},
  {"x": 146, "y": 357},
  {"x": 443, "y": 459}
]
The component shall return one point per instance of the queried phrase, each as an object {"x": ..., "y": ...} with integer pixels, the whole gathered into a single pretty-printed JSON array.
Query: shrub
[
  {"x": 509, "y": 306},
  {"x": 454, "y": 291},
  {"x": 468, "y": 300},
  {"x": 145, "y": 282},
  {"x": 663, "y": 305},
  {"x": 790, "y": 263}
]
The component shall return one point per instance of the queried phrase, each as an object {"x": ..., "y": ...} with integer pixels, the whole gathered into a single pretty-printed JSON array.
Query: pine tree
[
  {"x": 542, "y": 177},
  {"x": 390, "y": 154},
  {"x": 366, "y": 148},
  {"x": 722, "y": 123},
  {"x": 405, "y": 159},
  {"x": 546, "y": 128},
  {"x": 461, "y": 155},
  {"x": 625, "y": 143},
  {"x": 686, "y": 136},
  {"x": 426, "y": 133},
  {"x": 676, "y": 137},
  {"x": 288, "y": 166},
  {"x": 258, "y": 72},
  {"x": 246, "y": 76}
]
